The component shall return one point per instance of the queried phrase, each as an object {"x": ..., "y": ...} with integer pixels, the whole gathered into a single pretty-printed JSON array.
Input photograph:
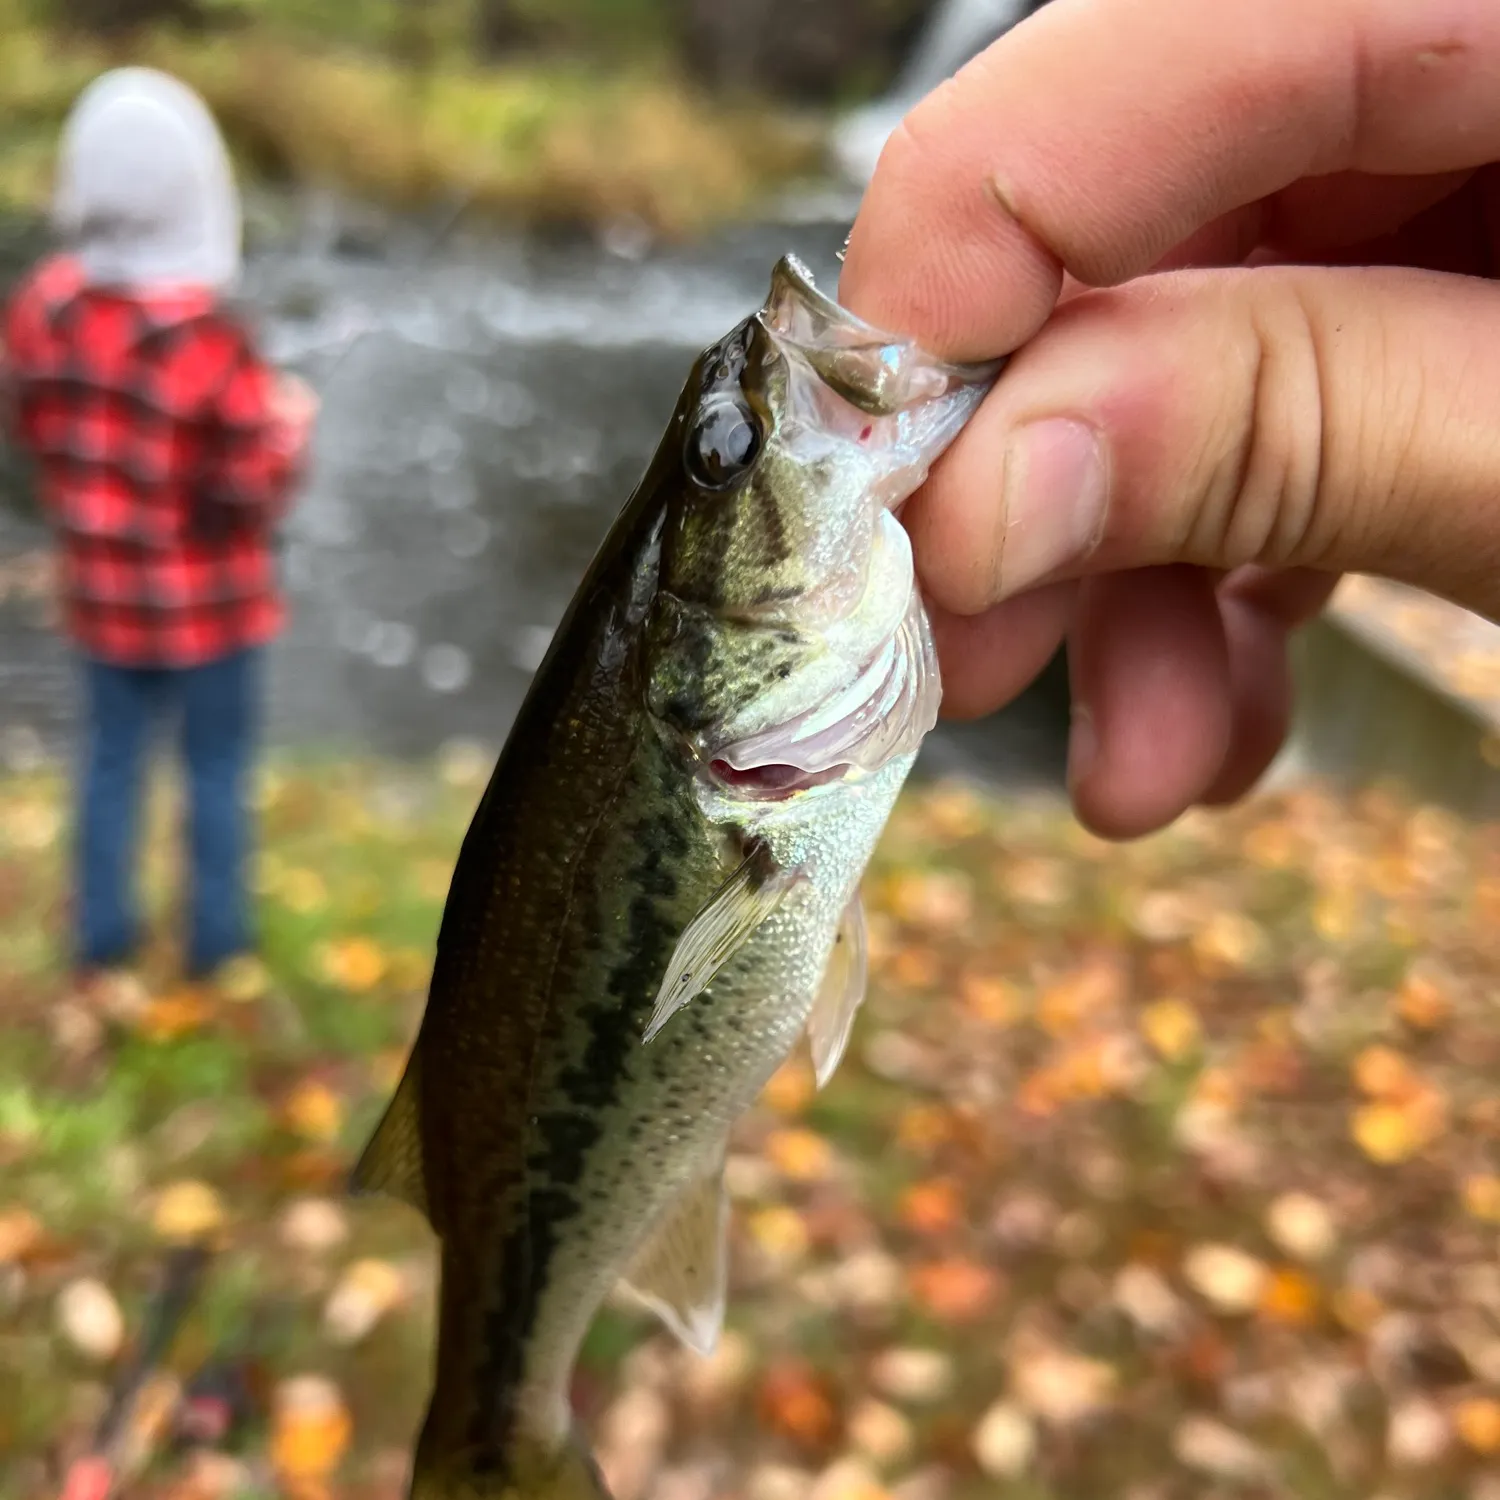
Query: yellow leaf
[
  {"x": 313, "y": 1111},
  {"x": 1482, "y": 1197},
  {"x": 303, "y": 892},
  {"x": 780, "y": 1234},
  {"x": 1384, "y": 1132},
  {"x": 187, "y": 1211},
  {"x": 924, "y": 1127},
  {"x": 354, "y": 964},
  {"x": 1172, "y": 1028},
  {"x": 799, "y": 1154},
  {"x": 242, "y": 980}
]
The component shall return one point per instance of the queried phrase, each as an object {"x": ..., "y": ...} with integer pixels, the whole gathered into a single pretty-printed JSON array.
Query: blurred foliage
[
  {"x": 1154, "y": 1171},
  {"x": 551, "y": 137}
]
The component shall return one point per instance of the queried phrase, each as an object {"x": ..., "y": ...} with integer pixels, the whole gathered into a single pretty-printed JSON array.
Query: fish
[{"x": 658, "y": 893}]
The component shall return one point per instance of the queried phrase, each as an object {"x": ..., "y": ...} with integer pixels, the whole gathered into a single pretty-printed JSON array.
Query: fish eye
[{"x": 722, "y": 444}]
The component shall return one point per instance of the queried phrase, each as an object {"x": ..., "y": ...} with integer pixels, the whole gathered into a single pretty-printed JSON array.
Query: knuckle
[{"x": 1266, "y": 499}]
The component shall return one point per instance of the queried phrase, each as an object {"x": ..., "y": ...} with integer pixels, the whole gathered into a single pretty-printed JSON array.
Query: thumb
[{"x": 1341, "y": 420}]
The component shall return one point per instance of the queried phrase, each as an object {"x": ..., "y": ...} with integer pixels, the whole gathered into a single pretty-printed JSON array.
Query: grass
[
  {"x": 544, "y": 142},
  {"x": 1039, "y": 1239}
]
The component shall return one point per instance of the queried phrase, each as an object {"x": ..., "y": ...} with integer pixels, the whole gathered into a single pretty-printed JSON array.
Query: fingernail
[
  {"x": 1054, "y": 492},
  {"x": 1083, "y": 744}
]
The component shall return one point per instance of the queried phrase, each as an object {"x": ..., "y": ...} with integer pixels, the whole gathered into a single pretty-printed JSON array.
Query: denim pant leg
[
  {"x": 220, "y": 721},
  {"x": 120, "y": 706}
]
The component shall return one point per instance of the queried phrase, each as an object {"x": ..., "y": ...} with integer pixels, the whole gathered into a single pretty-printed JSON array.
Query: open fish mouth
[
  {"x": 876, "y": 372},
  {"x": 885, "y": 711}
]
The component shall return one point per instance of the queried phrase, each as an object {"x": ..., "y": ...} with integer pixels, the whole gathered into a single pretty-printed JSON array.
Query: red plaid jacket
[{"x": 161, "y": 463}]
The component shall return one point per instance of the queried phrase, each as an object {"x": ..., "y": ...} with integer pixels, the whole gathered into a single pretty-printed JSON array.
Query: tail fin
[{"x": 529, "y": 1473}]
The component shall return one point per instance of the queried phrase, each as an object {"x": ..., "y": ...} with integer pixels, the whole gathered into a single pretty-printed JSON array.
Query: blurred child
[{"x": 165, "y": 451}]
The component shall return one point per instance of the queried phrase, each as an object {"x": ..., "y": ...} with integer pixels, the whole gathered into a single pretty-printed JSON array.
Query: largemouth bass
[{"x": 659, "y": 890}]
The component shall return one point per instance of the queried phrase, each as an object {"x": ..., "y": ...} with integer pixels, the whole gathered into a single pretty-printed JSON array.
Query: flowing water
[{"x": 487, "y": 408}]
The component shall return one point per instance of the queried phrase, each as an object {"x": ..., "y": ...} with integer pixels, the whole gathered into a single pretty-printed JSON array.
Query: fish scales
[{"x": 658, "y": 892}]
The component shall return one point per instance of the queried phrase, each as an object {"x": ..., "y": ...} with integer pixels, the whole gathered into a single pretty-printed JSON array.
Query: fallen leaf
[
  {"x": 364, "y": 1294},
  {"x": 793, "y": 1402},
  {"x": 1477, "y": 1422},
  {"x": 20, "y": 1234},
  {"x": 1172, "y": 1028},
  {"x": 1226, "y": 1277},
  {"x": 1289, "y": 1297},
  {"x": 313, "y": 1225},
  {"x": 1004, "y": 1441},
  {"x": 954, "y": 1290},
  {"x": 310, "y": 1429},
  {"x": 780, "y": 1234},
  {"x": 931, "y": 1208},
  {"x": 881, "y": 1433},
  {"x": 791, "y": 1088},
  {"x": 313, "y": 1111},
  {"x": 1302, "y": 1226},
  {"x": 800, "y": 1155},
  {"x": 177, "y": 1014},
  {"x": 1481, "y": 1194},
  {"x": 187, "y": 1211},
  {"x": 917, "y": 1376},
  {"x": 355, "y": 964},
  {"x": 90, "y": 1319}
]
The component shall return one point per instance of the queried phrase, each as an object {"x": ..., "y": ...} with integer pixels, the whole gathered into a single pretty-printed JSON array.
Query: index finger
[{"x": 1100, "y": 133}]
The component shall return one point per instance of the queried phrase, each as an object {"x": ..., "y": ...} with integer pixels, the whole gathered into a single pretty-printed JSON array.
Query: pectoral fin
[
  {"x": 710, "y": 940},
  {"x": 680, "y": 1273},
  {"x": 392, "y": 1162},
  {"x": 840, "y": 994}
]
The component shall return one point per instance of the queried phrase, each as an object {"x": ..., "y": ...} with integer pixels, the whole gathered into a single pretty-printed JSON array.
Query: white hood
[{"x": 144, "y": 193}]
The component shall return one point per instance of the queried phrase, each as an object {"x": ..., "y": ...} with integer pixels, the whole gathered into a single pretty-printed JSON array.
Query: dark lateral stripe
[{"x": 591, "y": 1088}]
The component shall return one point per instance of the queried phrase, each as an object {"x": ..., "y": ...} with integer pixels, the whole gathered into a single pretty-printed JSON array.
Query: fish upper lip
[{"x": 876, "y": 371}]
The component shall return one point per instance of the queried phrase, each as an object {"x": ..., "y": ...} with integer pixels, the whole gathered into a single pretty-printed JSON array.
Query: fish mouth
[
  {"x": 874, "y": 371},
  {"x": 886, "y": 710}
]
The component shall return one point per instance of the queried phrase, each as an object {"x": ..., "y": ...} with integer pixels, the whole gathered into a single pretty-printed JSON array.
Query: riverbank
[
  {"x": 538, "y": 142},
  {"x": 1153, "y": 1170}
]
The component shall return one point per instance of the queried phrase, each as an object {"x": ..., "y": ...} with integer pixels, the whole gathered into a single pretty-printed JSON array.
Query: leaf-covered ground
[{"x": 1154, "y": 1172}]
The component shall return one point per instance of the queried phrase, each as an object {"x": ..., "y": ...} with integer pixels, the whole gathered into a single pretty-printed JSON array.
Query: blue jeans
[{"x": 218, "y": 706}]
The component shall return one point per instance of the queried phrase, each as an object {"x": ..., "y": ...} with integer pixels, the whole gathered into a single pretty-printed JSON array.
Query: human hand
[{"x": 1174, "y": 470}]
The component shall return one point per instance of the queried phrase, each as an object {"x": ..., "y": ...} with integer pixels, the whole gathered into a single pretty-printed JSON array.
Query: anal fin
[
  {"x": 840, "y": 994},
  {"x": 680, "y": 1273},
  {"x": 711, "y": 939},
  {"x": 392, "y": 1162}
]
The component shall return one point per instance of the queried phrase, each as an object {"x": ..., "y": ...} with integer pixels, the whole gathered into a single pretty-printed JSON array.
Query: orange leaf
[
  {"x": 313, "y": 1111},
  {"x": 167, "y": 1017},
  {"x": 1289, "y": 1297},
  {"x": 793, "y": 1402},
  {"x": 1087, "y": 992},
  {"x": 1478, "y": 1423},
  {"x": 799, "y": 1154},
  {"x": 924, "y": 1127},
  {"x": 996, "y": 1002},
  {"x": 934, "y": 1207},
  {"x": 955, "y": 1290},
  {"x": 1382, "y": 1073},
  {"x": 1423, "y": 1003},
  {"x": 310, "y": 1430},
  {"x": 791, "y": 1088}
]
